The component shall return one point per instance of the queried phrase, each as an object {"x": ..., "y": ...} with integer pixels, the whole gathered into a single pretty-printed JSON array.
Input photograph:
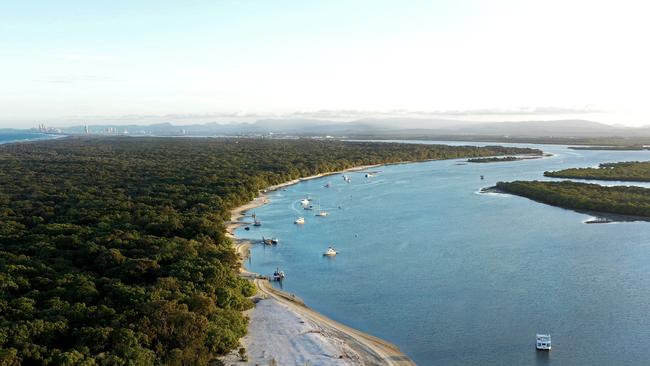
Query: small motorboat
[
  {"x": 304, "y": 201},
  {"x": 330, "y": 252},
  {"x": 327, "y": 185},
  {"x": 247, "y": 228},
  {"x": 482, "y": 177},
  {"x": 300, "y": 221},
  {"x": 543, "y": 342},
  {"x": 309, "y": 208}
]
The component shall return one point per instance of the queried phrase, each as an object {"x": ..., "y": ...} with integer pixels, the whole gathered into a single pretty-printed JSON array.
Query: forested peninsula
[
  {"x": 113, "y": 250},
  {"x": 621, "y": 200},
  {"x": 624, "y": 171}
]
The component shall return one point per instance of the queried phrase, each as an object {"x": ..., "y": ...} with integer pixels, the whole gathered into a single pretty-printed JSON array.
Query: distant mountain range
[{"x": 389, "y": 127}]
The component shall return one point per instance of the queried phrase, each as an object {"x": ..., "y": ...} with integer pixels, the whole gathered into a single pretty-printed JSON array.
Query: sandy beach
[{"x": 284, "y": 330}]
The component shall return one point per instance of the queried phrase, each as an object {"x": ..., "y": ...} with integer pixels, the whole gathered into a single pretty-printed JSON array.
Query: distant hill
[{"x": 369, "y": 127}]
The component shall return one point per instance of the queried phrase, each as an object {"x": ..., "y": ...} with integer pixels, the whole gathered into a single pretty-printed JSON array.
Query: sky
[{"x": 76, "y": 60}]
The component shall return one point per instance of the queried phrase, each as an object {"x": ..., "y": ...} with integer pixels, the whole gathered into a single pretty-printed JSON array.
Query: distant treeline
[
  {"x": 493, "y": 159},
  {"x": 113, "y": 250},
  {"x": 623, "y": 171},
  {"x": 621, "y": 200},
  {"x": 615, "y": 148}
]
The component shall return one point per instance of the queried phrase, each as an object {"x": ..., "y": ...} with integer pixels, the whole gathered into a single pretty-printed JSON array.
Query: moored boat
[
  {"x": 278, "y": 275},
  {"x": 256, "y": 221},
  {"x": 330, "y": 252},
  {"x": 300, "y": 220},
  {"x": 543, "y": 342},
  {"x": 270, "y": 241}
]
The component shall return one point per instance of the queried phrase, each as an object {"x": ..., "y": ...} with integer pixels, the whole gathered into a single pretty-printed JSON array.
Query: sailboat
[
  {"x": 330, "y": 252},
  {"x": 278, "y": 275},
  {"x": 256, "y": 221},
  {"x": 321, "y": 213}
]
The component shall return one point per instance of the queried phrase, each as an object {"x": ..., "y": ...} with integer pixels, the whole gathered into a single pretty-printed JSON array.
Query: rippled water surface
[{"x": 454, "y": 277}]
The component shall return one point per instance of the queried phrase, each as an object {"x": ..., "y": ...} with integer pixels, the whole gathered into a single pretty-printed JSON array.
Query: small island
[
  {"x": 629, "y": 201},
  {"x": 498, "y": 159},
  {"x": 638, "y": 171}
]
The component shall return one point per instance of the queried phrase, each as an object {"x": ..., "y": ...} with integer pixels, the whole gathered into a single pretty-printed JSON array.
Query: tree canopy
[
  {"x": 623, "y": 200},
  {"x": 624, "y": 171},
  {"x": 113, "y": 250}
]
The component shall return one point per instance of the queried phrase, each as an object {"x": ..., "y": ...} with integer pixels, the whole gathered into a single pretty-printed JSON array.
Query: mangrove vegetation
[
  {"x": 621, "y": 200},
  {"x": 623, "y": 171}
]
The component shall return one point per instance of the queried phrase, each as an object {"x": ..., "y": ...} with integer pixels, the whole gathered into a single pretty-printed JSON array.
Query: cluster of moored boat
[{"x": 306, "y": 204}]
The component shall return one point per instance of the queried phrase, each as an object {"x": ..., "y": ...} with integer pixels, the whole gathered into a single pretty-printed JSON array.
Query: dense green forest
[
  {"x": 624, "y": 171},
  {"x": 621, "y": 200},
  {"x": 494, "y": 159},
  {"x": 112, "y": 250}
]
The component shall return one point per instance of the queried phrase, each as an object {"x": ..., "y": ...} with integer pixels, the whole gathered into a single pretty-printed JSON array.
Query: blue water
[
  {"x": 454, "y": 277},
  {"x": 6, "y": 137}
]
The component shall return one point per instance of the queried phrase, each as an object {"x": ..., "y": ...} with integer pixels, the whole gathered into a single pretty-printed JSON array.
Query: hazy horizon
[{"x": 417, "y": 119}]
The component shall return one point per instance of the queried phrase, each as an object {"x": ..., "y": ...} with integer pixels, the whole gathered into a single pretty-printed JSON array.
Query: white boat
[
  {"x": 543, "y": 342},
  {"x": 304, "y": 201},
  {"x": 330, "y": 252},
  {"x": 300, "y": 220}
]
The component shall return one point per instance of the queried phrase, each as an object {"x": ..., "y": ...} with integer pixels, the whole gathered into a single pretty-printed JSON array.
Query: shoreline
[{"x": 343, "y": 344}]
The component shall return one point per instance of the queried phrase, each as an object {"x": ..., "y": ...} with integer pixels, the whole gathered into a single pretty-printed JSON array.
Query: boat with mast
[
  {"x": 270, "y": 241},
  {"x": 256, "y": 221},
  {"x": 330, "y": 252},
  {"x": 278, "y": 275},
  {"x": 321, "y": 212}
]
